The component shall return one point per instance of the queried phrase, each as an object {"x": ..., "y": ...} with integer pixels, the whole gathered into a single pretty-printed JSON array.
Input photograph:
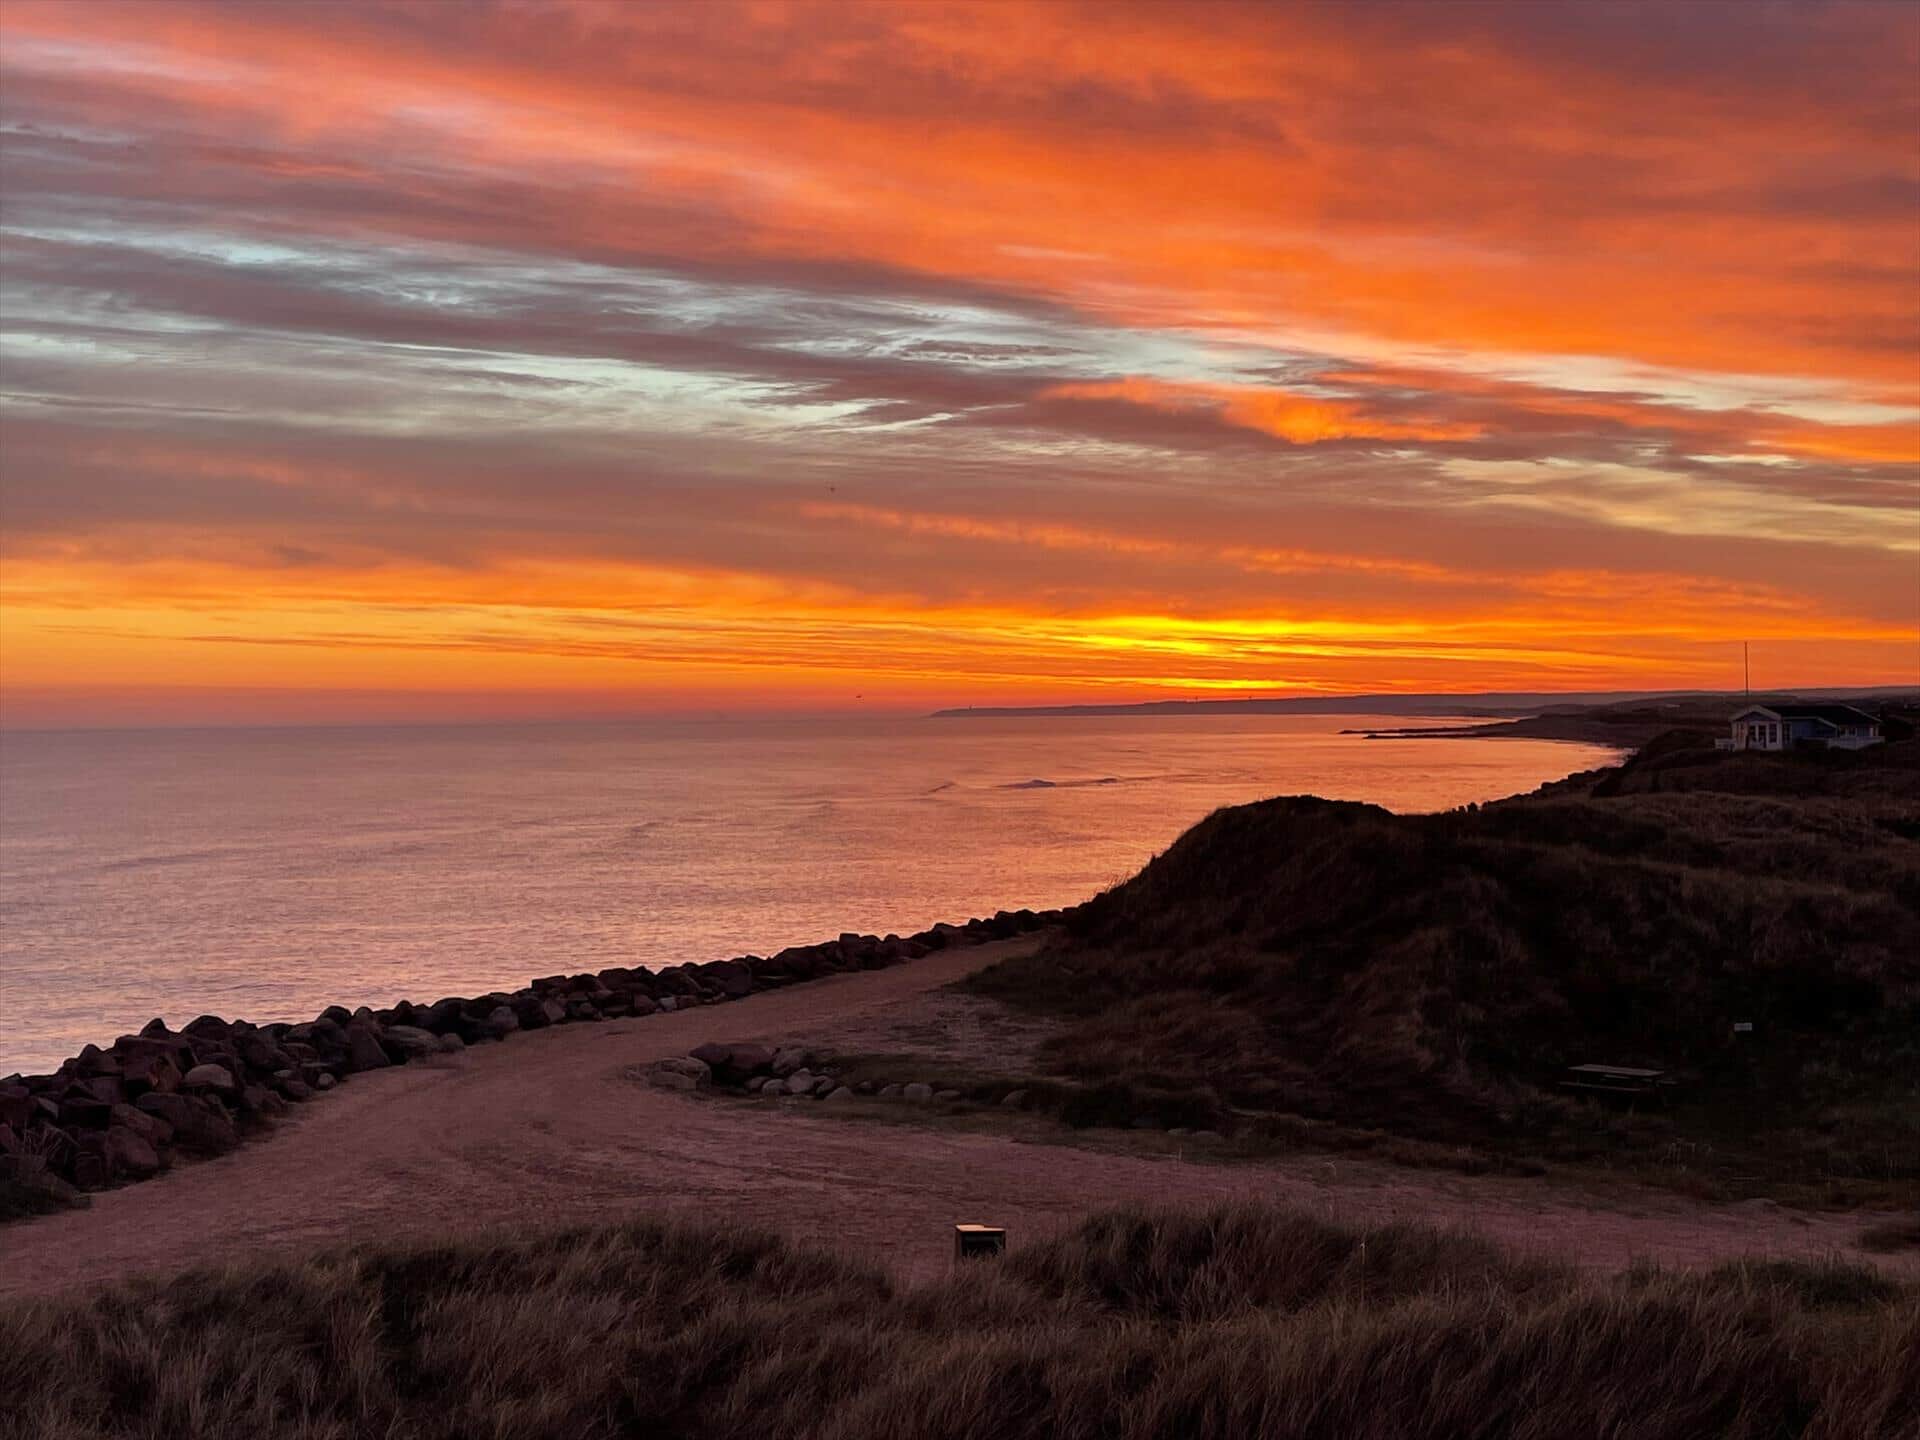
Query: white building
[{"x": 1782, "y": 727}]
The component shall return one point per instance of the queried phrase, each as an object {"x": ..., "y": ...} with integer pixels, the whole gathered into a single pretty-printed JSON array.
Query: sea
[{"x": 268, "y": 873}]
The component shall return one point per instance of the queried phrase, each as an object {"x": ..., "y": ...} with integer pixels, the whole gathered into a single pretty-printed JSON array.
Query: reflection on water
[{"x": 267, "y": 873}]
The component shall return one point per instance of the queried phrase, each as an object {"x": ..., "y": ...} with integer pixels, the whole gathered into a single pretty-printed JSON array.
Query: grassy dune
[
  {"x": 1433, "y": 975},
  {"x": 1241, "y": 1322}
]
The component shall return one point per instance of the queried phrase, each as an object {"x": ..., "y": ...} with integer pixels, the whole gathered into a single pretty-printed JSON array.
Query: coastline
[
  {"x": 1566, "y": 729},
  {"x": 127, "y": 1112}
]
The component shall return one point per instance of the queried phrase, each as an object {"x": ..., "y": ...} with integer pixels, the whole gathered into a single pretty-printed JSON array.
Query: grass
[
  {"x": 1431, "y": 976},
  {"x": 1890, "y": 1236},
  {"x": 28, "y": 1187},
  {"x": 1243, "y": 1321}
]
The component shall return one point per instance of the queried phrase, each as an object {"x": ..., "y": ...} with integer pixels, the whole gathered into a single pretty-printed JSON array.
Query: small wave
[{"x": 1061, "y": 784}]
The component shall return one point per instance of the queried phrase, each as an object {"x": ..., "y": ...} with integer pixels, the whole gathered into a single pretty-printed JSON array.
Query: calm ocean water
[{"x": 269, "y": 873}]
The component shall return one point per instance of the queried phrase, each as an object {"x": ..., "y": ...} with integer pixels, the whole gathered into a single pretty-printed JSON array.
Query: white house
[{"x": 1782, "y": 727}]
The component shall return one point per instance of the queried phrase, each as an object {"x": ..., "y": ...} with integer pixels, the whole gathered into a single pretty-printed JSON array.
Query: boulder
[
  {"x": 947, "y": 1095},
  {"x": 787, "y": 1059},
  {"x": 1014, "y": 1100},
  {"x": 16, "y": 1105},
  {"x": 839, "y": 1092},
  {"x": 666, "y": 1002},
  {"x": 918, "y": 1093},
  {"x": 131, "y": 1154},
  {"x": 643, "y": 1004},
  {"x": 150, "y": 1128},
  {"x": 90, "y": 1170},
  {"x": 99, "y": 1087},
  {"x": 413, "y": 1040},
  {"x": 799, "y": 1082},
  {"x": 259, "y": 1052},
  {"x": 502, "y": 1022},
  {"x": 324, "y": 1081},
  {"x": 825, "y": 1086},
  {"x": 82, "y": 1111},
  {"x": 554, "y": 1011},
  {"x": 198, "y": 1123},
  {"x": 364, "y": 1050},
  {"x": 890, "y": 1092},
  {"x": 681, "y": 1072},
  {"x": 9, "y": 1142},
  {"x": 216, "y": 1078},
  {"x": 750, "y": 1059},
  {"x": 773, "y": 1089},
  {"x": 150, "y": 1072},
  {"x": 714, "y": 1054},
  {"x": 757, "y": 1084},
  {"x": 451, "y": 1042},
  {"x": 733, "y": 978}
]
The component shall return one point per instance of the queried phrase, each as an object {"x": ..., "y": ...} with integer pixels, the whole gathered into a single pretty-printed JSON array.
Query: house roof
[
  {"x": 1835, "y": 715},
  {"x": 1832, "y": 714}
]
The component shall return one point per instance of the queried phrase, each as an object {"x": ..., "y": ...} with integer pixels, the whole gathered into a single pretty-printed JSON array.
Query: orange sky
[{"x": 504, "y": 359}]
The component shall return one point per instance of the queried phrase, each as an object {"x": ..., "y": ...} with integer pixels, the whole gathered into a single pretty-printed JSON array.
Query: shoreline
[
  {"x": 1564, "y": 729},
  {"x": 118, "y": 1115}
]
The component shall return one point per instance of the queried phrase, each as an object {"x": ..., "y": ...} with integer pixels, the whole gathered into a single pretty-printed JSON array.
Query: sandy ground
[{"x": 551, "y": 1128}]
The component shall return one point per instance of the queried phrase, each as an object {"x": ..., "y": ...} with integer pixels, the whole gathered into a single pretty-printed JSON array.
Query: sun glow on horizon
[{"x": 676, "y": 356}]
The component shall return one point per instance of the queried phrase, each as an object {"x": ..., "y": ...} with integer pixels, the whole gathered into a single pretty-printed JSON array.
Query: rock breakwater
[{"x": 128, "y": 1111}]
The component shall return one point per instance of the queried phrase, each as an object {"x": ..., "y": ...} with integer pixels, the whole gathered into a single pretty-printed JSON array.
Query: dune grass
[
  {"x": 1433, "y": 975},
  {"x": 1244, "y": 1321}
]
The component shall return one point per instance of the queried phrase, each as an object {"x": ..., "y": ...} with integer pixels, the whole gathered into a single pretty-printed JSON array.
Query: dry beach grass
[{"x": 1233, "y": 1322}]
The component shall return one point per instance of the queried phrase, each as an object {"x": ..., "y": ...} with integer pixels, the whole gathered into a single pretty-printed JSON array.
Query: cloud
[{"x": 1043, "y": 318}]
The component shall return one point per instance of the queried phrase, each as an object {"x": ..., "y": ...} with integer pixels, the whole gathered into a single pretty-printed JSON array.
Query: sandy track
[{"x": 550, "y": 1129}]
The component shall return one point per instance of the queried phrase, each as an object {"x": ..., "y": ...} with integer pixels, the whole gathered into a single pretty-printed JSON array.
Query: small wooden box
[{"x": 978, "y": 1242}]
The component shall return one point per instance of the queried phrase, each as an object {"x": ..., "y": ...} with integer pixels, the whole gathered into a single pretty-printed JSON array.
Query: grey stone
[
  {"x": 891, "y": 1092},
  {"x": 414, "y": 1040},
  {"x": 799, "y": 1081},
  {"x": 789, "y": 1058},
  {"x": 1014, "y": 1099},
  {"x": 680, "y": 1072},
  {"x": 210, "y": 1077},
  {"x": 917, "y": 1092},
  {"x": 451, "y": 1042},
  {"x": 841, "y": 1092}
]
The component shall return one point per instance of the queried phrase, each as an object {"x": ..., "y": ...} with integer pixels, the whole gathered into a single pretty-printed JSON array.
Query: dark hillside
[{"x": 1435, "y": 974}]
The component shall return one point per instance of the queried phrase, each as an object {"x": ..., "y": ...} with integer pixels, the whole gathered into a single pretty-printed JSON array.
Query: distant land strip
[{"x": 1488, "y": 704}]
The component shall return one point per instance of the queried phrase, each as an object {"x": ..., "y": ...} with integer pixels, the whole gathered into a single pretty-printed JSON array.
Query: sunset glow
[{"x": 456, "y": 361}]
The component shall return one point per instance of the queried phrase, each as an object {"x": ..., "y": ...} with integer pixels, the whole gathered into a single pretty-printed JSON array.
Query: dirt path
[{"x": 549, "y": 1129}]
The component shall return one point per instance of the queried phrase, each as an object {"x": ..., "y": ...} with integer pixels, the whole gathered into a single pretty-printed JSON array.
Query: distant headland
[{"x": 1484, "y": 704}]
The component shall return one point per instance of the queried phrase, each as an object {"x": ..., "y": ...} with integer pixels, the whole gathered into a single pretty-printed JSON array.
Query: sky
[{"x": 460, "y": 361}]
